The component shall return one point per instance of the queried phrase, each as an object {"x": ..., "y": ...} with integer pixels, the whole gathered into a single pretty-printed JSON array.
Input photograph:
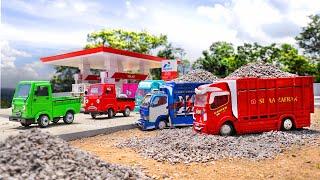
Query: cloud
[{"x": 11, "y": 74}]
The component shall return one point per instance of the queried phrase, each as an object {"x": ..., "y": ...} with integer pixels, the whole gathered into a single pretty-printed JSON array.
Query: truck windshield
[
  {"x": 146, "y": 100},
  {"x": 95, "y": 90},
  {"x": 142, "y": 92},
  {"x": 23, "y": 91},
  {"x": 201, "y": 100}
]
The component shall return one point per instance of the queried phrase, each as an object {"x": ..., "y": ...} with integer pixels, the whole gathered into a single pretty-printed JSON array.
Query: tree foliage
[
  {"x": 141, "y": 42},
  {"x": 63, "y": 79},
  {"x": 221, "y": 59}
]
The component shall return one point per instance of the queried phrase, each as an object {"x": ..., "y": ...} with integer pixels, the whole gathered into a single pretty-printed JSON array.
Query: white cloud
[{"x": 11, "y": 74}]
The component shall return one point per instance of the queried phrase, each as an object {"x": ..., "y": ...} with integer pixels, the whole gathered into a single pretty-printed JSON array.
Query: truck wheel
[
  {"x": 287, "y": 124},
  {"x": 126, "y": 112},
  {"x": 68, "y": 118},
  {"x": 55, "y": 120},
  {"x": 43, "y": 121},
  {"x": 226, "y": 129},
  {"x": 26, "y": 124},
  {"x": 110, "y": 113},
  {"x": 162, "y": 124},
  {"x": 93, "y": 116}
]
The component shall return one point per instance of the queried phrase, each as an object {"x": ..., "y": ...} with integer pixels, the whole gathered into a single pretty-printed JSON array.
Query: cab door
[
  {"x": 158, "y": 107},
  {"x": 42, "y": 101}
]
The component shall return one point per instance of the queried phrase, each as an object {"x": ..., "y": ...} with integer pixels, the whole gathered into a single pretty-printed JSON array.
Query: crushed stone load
[
  {"x": 37, "y": 155},
  {"x": 186, "y": 146},
  {"x": 260, "y": 70},
  {"x": 198, "y": 75}
]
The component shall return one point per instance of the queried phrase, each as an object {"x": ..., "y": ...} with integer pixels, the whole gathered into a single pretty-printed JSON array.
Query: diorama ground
[{"x": 299, "y": 162}]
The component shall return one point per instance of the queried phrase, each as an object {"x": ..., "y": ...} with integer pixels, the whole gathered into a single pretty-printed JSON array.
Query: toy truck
[
  {"x": 251, "y": 105},
  {"x": 34, "y": 102},
  {"x": 102, "y": 99},
  {"x": 171, "y": 106},
  {"x": 144, "y": 88}
]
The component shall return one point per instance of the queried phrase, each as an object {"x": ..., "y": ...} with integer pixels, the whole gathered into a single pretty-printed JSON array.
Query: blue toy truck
[
  {"x": 144, "y": 88},
  {"x": 171, "y": 106}
]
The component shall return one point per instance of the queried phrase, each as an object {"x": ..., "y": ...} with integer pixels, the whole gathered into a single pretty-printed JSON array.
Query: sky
[{"x": 38, "y": 28}]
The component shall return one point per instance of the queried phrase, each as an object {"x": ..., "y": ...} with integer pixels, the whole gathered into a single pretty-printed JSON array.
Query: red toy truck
[
  {"x": 102, "y": 99},
  {"x": 250, "y": 105}
]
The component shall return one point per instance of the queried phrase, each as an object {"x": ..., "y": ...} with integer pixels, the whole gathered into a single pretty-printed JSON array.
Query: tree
[
  {"x": 309, "y": 38},
  {"x": 309, "y": 41},
  {"x": 219, "y": 59},
  {"x": 63, "y": 79},
  {"x": 141, "y": 42}
]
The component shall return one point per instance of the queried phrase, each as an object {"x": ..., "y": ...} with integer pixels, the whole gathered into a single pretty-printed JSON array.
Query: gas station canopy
[{"x": 106, "y": 58}]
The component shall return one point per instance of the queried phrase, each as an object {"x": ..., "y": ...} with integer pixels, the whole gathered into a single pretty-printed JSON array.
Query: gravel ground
[
  {"x": 262, "y": 70},
  {"x": 183, "y": 145},
  {"x": 198, "y": 75},
  {"x": 37, "y": 155}
]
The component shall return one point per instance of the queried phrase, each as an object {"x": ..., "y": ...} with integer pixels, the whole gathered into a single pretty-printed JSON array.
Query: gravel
[
  {"x": 37, "y": 155},
  {"x": 260, "y": 70},
  {"x": 198, "y": 75},
  {"x": 186, "y": 146}
]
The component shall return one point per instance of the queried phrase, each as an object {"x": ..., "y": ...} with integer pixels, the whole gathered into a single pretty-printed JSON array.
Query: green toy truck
[{"x": 34, "y": 103}]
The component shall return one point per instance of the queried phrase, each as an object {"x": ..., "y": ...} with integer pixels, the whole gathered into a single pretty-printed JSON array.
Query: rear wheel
[
  {"x": 68, "y": 118},
  {"x": 227, "y": 129},
  {"x": 93, "y": 116},
  {"x": 287, "y": 124},
  {"x": 110, "y": 113},
  {"x": 43, "y": 121},
  {"x": 126, "y": 112},
  {"x": 162, "y": 124},
  {"x": 25, "y": 124}
]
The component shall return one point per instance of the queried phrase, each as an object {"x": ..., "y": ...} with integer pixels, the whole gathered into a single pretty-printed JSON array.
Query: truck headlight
[
  {"x": 12, "y": 106},
  {"x": 23, "y": 107},
  {"x": 98, "y": 101}
]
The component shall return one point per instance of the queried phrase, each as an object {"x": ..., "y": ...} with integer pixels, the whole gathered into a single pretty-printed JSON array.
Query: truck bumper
[
  {"x": 145, "y": 125},
  {"x": 20, "y": 119}
]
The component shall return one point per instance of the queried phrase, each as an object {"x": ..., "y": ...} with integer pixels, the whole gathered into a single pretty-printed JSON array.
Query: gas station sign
[{"x": 169, "y": 70}]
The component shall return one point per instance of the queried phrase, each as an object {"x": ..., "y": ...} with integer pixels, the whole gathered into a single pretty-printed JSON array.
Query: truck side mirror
[{"x": 86, "y": 92}]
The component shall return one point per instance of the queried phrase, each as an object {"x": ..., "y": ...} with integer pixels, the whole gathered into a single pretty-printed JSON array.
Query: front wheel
[
  {"x": 162, "y": 124},
  {"x": 43, "y": 121},
  {"x": 110, "y": 113},
  {"x": 93, "y": 116},
  {"x": 226, "y": 129},
  {"x": 126, "y": 112},
  {"x": 68, "y": 118},
  {"x": 287, "y": 124}
]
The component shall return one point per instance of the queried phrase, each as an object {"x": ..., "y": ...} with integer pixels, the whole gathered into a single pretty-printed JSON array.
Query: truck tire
[
  {"x": 126, "y": 112},
  {"x": 110, "y": 113},
  {"x": 226, "y": 129},
  {"x": 68, "y": 118},
  {"x": 93, "y": 116},
  {"x": 26, "y": 124},
  {"x": 287, "y": 124},
  {"x": 55, "y": 120},
  {"x": 43, "y": 121},
  {"x": 162, "y": 124}
]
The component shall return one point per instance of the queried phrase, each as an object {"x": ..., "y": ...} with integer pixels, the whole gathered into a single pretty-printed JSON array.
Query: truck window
[
  {"x": 219, "y": 101},
  {"x": 201, "y": 100},
  {"x": 95, "y": 90},
  {"x": 42, "y": 91},
  {"x": 146, "y": 100},
  {"x": 23, "y": 90},
  {"x": 159, "y": 100}
]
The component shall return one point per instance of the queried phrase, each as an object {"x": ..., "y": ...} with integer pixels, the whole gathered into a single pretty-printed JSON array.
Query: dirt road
[{"x": 297, "y": 163}]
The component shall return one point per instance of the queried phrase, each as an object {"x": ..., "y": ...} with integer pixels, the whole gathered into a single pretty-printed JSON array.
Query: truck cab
[
  {"x": 171, "y": 106},
  {"x": 33, "y": 102},
  {"x": 102, "y": 99},
  {"x": 144, "y": 88}
]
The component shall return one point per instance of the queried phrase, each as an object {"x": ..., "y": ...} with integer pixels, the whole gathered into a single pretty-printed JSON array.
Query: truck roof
[{"x": 34, "y": 82}]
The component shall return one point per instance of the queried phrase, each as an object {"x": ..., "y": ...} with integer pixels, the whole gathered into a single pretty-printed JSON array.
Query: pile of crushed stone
[
  {"x": 260, "y": 70},
  {"x": 186, "y": 146},
  {"x": 36, "y": 155},
  {"x": 198, "y": 75}
]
